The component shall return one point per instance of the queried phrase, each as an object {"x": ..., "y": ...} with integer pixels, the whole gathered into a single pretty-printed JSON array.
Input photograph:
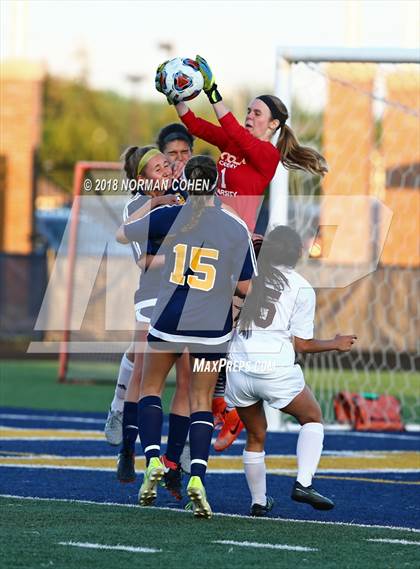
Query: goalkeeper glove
[
  {"x": 160, "y": 84},
  {"x": 209, "y": 87}
]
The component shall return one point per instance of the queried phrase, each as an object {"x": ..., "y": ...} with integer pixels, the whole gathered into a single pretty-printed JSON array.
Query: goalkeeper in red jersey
[
  {"x": 248, "y": 159},
  {"x": 246, "y": 166}
]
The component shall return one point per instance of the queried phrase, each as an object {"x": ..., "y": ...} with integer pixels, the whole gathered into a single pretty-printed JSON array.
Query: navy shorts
[{"x": 199, "y": 351}]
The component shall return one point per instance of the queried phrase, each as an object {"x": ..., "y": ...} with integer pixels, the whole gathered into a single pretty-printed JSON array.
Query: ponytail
[
  {"x": 198, "y": 205},
  {"x": 293, "y": 156},
  {"x": 297, "y": 157},
  {"x": 265, "y": 288}
]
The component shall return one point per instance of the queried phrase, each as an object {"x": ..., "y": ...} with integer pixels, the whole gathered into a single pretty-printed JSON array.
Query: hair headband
[
  {"x": 178, "y": 135},
  {"x": 275, "y": 113},
  {"x": 146, "y": 158}
]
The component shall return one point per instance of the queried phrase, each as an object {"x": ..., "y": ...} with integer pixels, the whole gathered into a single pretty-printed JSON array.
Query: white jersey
[{"x": 270, "y": 344}]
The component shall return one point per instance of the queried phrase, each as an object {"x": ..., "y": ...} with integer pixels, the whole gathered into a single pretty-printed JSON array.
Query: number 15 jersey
[{"x": 202, "y": 266}]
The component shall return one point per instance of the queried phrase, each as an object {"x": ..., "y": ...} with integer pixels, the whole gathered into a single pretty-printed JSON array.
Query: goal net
[{"x": 360, "y": 224}]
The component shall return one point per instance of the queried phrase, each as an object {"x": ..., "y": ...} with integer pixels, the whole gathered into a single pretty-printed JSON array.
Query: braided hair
[{"x": 201, "y": 168}]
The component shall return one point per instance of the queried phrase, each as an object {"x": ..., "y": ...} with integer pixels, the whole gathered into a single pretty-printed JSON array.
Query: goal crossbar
[{"x": 353, "y": 55}]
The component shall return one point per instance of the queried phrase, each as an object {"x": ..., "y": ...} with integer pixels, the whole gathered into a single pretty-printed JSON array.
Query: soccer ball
[{"x": 180, "y": 79}]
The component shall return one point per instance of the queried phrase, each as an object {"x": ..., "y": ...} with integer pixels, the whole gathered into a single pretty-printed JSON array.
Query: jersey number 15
[{"x": 208, "y": 272}]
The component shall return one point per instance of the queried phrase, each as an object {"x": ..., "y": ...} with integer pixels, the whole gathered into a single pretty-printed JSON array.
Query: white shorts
[
  {"x": 144, "y": 309},
  {"x": 243, "y": 390}
]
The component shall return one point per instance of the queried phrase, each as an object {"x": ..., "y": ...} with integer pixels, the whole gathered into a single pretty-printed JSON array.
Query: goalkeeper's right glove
[
  {"x": 160, "y": 84},
  {"x": 159, "y": 78},
  {"x": 209, "y": 87}
]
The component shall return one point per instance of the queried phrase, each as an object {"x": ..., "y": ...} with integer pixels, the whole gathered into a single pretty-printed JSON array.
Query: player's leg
[
  {"x": 255, "y": 423},
  {"x": 307, "y": 411},
  {"x": 126, "y": 458},
  {"x": 201, "y": 430},
  {"x": 113, "y": 425},
  {"x": 157, "y": 364},
  {"x": 179, "y": 425},
  {"x": 242, "y": 392},
  {"x": 226, "y": 416}
]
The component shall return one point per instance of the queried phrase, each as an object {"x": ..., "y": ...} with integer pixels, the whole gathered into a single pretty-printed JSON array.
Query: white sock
[
  {"x": 124, "y": 374},
  {"x": 308, "y": 451},
  {"x": 254, "y": 466}
]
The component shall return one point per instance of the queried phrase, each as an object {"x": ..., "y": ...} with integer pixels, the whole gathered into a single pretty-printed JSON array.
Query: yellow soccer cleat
[
  {"x": 152, "y": 476},
  {"x": 197, "y": 493}
]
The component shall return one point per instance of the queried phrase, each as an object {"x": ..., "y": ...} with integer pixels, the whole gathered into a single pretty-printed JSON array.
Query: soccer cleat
[
  {"x": 197, "y": 493},
  {"x": 113, "y": 428},
  {"x": 173, "y": 477},
  {"x": 230, "y": 430},
  {"x": 218, "y": 410},
  {"x": 125, "y": 466},
  {"x": 310, "y": 496},
  {"x": 152, "y": 476},
  {"x": 259, "y": 511}
]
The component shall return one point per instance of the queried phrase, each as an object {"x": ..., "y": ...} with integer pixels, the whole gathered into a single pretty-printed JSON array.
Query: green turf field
[
  {"x": 33, "y": 383},
  {"x": 188, "y": 543}
]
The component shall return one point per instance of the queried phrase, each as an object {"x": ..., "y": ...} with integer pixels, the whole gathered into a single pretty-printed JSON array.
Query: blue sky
[{"x": 238, "y": 38}]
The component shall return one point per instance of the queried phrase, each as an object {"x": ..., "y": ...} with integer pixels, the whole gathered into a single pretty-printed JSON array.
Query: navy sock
[
  {"x": 177, "y": 435},
  {"x": 201, "y": 430},
  {"x": 150, "y": 420},
  {"x": 130, "y": 428}
]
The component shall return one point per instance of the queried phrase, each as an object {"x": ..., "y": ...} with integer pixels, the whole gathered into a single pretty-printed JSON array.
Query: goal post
[
  {"x": 89, "y": 352},
  {"x": 359, "y": 225}
]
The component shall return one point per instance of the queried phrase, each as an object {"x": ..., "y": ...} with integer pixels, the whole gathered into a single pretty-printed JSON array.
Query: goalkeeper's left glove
[{"x": 209, "y": 87}]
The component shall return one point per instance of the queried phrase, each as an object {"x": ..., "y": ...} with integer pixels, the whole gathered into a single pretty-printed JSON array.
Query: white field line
[
  {"x": 217, "y": 514},
  {"x": 114, "y": 547},
  {"x": 265, "y": 545},
  {"x": 396, "y": 541},
  {"x": 51, "y": 418},
  {"x": 221, "y": 470}
]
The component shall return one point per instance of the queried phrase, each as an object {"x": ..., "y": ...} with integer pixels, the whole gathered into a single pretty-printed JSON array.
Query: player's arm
[
  {"x": 201, "y": 128},
  {"x": 151, "y": 261},
  {"x": 313, "y": 346},
  {"x": 156, "y": 201},
  {"x": 302, "y": 327},
  {"x": 263, "y": 157},
  {"x": 155, "y": 224},
  {"x": 134, "y": 231}
]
